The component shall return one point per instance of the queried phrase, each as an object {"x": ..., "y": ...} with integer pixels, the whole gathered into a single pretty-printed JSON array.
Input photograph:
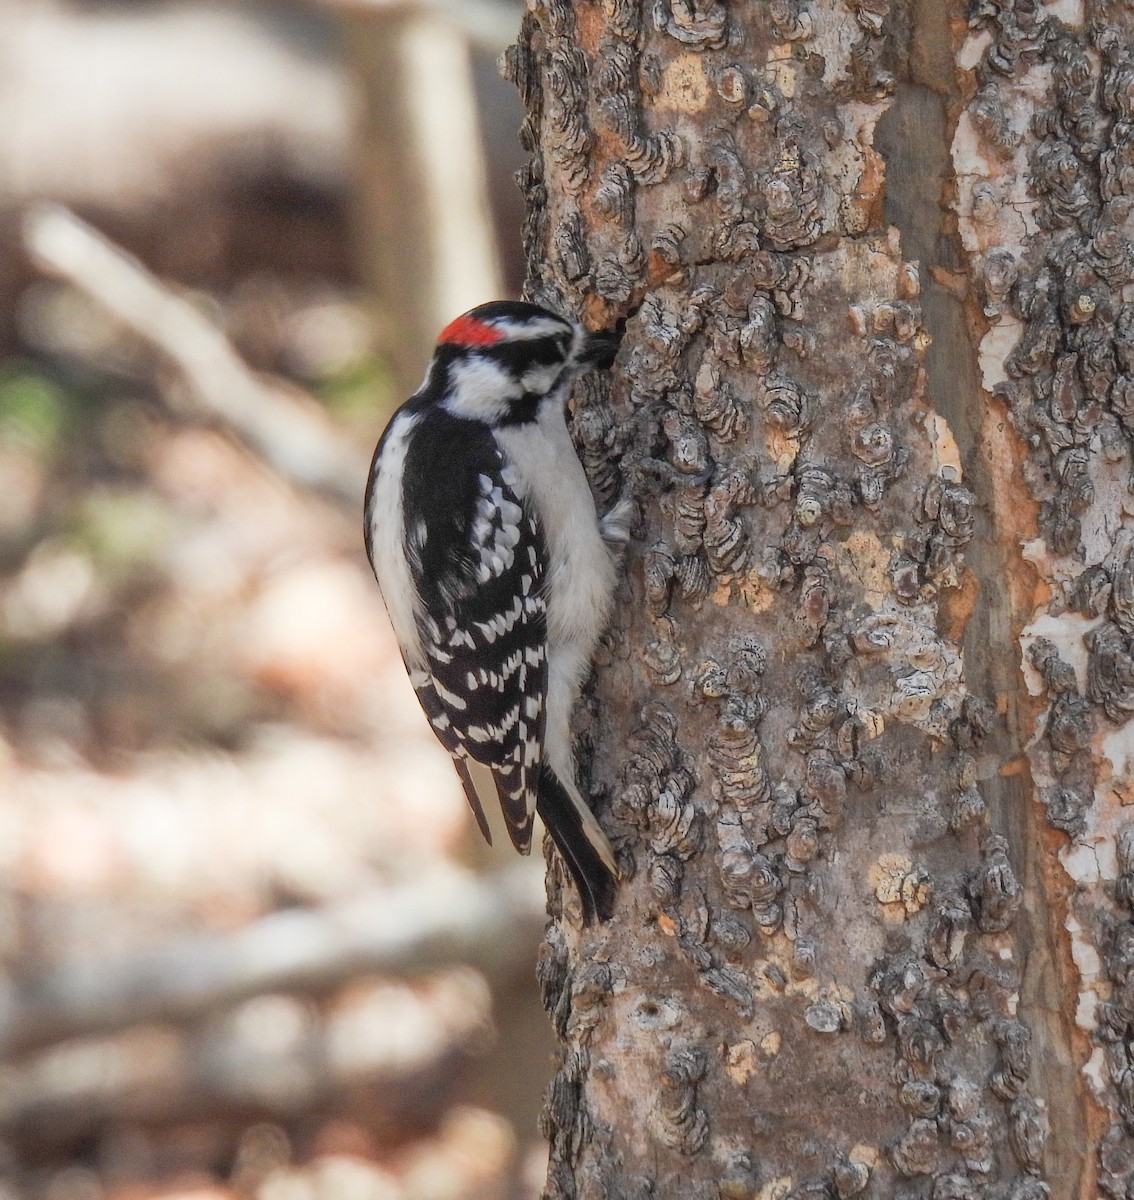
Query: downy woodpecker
[{"x": 496, "y": 570}]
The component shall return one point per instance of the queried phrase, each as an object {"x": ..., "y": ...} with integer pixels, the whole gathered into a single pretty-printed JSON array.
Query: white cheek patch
[{"x": 480, "y": 390}]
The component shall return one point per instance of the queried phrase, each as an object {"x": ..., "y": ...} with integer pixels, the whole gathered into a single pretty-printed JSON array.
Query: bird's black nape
[
  {"x": 593, "y": 880},
  {"x": 511, "y": 310}
]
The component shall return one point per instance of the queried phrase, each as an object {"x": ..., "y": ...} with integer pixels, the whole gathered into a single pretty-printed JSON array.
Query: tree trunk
[{"x": 865, "y": 770}]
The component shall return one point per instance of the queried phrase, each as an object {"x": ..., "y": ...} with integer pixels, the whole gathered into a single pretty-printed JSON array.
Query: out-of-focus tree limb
[
  {"x": 401, "y": 1099},
  {"x": 406, "y": 1050},
  {"x": 426, "y": 243},
  {"x": 276, "y": 421},
  {"x": 490, "y": 922}
]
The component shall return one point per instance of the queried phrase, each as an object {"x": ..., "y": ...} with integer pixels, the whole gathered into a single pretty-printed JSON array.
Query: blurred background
[{"x": 250, "y": 945}]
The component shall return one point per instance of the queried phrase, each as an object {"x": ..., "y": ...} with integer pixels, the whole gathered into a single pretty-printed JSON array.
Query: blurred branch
[
  {"x": 427, "y": 243},
  {"x": 407, "y": 1056},
  {"x": 279, "y": 423},
  {"x": 491, "y": 923},
  {"x": 402, "y": 1100}
]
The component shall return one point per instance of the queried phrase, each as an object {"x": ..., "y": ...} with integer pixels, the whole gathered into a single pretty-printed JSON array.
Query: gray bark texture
[{"x": 861, "y": 732}]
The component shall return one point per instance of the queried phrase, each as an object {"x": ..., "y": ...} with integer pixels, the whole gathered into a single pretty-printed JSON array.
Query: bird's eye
[{"x": 563, "y": 344}]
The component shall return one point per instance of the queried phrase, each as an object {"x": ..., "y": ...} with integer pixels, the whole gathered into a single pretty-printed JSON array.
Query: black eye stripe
[{"x": 518, "y": 357}]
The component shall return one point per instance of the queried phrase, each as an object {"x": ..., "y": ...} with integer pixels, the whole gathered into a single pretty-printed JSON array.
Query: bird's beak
[{"x": 599, "y": 349}]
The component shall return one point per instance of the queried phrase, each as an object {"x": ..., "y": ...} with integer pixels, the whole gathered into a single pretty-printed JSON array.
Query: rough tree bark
[{"x": 865, "y": 770}]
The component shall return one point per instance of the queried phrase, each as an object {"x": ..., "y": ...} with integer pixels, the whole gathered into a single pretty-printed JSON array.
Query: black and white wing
[{"x": 478, "y": 566}]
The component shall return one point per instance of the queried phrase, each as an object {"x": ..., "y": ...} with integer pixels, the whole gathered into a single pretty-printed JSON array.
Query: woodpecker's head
[{"x": 500, "y": 361}]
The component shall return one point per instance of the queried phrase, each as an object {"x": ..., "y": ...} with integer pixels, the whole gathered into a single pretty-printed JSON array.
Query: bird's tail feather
[
  {"x": 582, "y": 843},
  {"x": 471, "y": 795}
]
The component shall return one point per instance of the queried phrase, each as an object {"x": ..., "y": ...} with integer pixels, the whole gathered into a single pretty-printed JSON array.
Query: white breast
[{"x": 582, "y": 574}]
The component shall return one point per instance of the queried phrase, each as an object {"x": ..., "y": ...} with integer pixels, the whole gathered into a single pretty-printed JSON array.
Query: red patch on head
[{"x": 468, "y": 331}]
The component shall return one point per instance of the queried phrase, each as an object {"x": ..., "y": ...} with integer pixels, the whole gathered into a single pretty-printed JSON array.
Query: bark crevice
[{"x": 913, "y": 138}]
